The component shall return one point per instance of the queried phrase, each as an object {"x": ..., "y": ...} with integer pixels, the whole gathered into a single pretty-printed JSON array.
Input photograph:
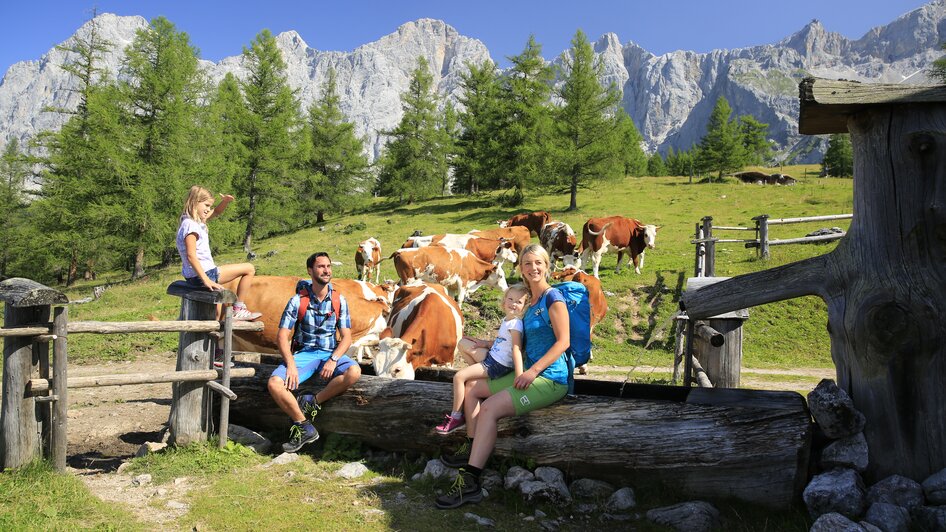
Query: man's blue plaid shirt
[{"x": 317, "y": 330}]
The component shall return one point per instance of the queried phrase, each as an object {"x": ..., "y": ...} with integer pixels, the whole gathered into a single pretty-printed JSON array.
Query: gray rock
[
  {"x": 149, "y": 447},
  {"x": 539, "y": 514},
  {"x": 587, "y": 488},
  {"x": 585, "y": 507},
  {"x": 935, "y": 488},
  {"x": 835, "y": 522},
  {"x": 888, "y": 517},
  {"x": 548, "y": 525},
  {"x": 283, "y": 459},
  {"x": 850, "y": 451},
  {"x": 929, "y": 518},
  {"x": 621, "y": 500},
  {"x": 556, "y": 480},
  {"x": 539, "y": 491},
  {"x": 834, "y": 411},
  {"x": 897, "y": 490},
  {"x": 254, "y": 440},
  {"x": 481, "y": 521},
  {"x": 141, "y": 480},
  {"x": 491, "y": 480},
  {"x": 838, "y": 490},
  {"x": 516, "y": 476},
  {"x": 869, "y": 527},
  {"x": 692, "y": 516},
  {"x": 436, "y": 469},
  {"x": 176, "y": 505},
  {"x": 160, "y": 492},
  {"x": 352, "y": 470}
]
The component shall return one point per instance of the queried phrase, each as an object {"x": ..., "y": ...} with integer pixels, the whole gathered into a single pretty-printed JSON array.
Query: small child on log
[
  {"x": 193, "y": 244},
  {"x": 492, "y": 360}
]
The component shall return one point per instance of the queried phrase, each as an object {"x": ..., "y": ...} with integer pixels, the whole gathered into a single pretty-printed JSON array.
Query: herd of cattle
[{"x": 417, "y": 320}]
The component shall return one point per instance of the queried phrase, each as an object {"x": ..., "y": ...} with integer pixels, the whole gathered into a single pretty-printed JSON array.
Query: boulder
[
  {"x": 436, "y": 469},
  {"x": 249, "y": 438},
  {"x": 888, "y": 517},
  {"x": 898, "y": 490},
  {"x": 838, "y": 490},
  {"x": 835, "y": 522},
  {"x": 935, "y": 488},
  {"x": 283, "y": 459},
  {"x": 541, "y": 491},
  {"x": 834, "y": 411},
  {"x": 621, "y": 500},
  {"x": 692, "y": 516},
  {"x": 588, "y": 488},
  {"x": 850, "y": 451},
  {"x": 149, "y": 447},
  {"x": 491, "y": 480},
  {"x": 352, "y": 470},
  {"x": 516, "y": 476}
]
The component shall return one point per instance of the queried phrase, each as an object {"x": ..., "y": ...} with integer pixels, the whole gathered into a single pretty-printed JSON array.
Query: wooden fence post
[
  {"x": 709, "y": 268},
  {"x": 26, "y": 302},
  {"x": 762, "y": 235},
  {"x": 700, "y": 252},
  {"x": 190, "y": 407},
  {"x": 717, "y": 342},
  {"x": 60, "y": 413}
]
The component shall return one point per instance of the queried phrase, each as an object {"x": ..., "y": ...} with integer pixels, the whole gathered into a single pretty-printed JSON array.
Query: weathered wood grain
[
  {"x": 34, "y": 386},
  {"x": 19, "y": 423},
  {"x": 186, "y": 291},
  {"x": 20, "y": 292}
]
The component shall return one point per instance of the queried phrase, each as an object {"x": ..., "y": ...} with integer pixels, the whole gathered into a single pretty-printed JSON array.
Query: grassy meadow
[{"x": 638, "y": 328}]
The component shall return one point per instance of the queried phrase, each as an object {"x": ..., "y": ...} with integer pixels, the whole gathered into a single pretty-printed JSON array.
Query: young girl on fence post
[
  {"x": 193, "y": 244},
  {"x": 490, "y": 360}
]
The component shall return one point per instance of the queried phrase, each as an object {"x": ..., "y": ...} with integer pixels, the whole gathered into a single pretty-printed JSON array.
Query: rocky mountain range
[{"x": 669, "y": 96}]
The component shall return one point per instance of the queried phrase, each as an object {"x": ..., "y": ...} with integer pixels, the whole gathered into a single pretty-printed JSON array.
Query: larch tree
[
  {"x": 337, "y": 169},
  {"x": 477, "y": 148},
  {"x": 722, "y": 149},
  {"x": 632, "y": 156},
  {"x": 838, "y": 158},
  {"x": 755, "y": 139},
  {"x": 585, "y": 126},
  {"x": 14, "y": 170},
  {"x": 273, "y": 137}
]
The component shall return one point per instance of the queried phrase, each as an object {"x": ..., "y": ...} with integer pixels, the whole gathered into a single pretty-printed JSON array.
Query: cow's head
[
  {"x": 392, "y": 359},
  {"x": 505, "y": 252},
  {"x": 496, "y": 278},
  {"x": 650, "y": 235},
  {"x": 502, "y": 223},
  {"x": 367, "y": 248},
  {"x": 571, "y": 261}
]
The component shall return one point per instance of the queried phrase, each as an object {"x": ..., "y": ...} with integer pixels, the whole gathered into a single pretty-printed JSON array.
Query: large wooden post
[
  {"x": 884, "y": 284},
  {"x": 717, "y": 340},
  {"x": 190, "y": 406},
  {"x": 26, "y": 303}
]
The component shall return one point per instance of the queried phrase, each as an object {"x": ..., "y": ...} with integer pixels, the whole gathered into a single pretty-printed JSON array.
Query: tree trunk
[
  {"x": 73, "y": 268},
  {"x": 573, "y": 202},
  {"x": 884, "y": 287},
  {"x": 320, "y": 217},
  {"x": 139, "y": 270},
  {"x": 706, "y": 443},
  {"x": 250, "y": 215}
]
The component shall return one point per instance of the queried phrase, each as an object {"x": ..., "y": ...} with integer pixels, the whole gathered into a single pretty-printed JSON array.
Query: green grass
[
  {"x": 638, "y": 328},
  {"x": 205, "y": 458},
  {"x": 34, "y": 497}
]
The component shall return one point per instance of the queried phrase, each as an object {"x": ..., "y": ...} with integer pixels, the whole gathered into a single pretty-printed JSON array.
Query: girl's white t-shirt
[
  {"x": 501, "y": 351},
  {"x": 188, "y": 226}
]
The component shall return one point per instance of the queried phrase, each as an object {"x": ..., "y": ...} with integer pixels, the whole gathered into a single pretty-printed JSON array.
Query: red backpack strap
[
  {"x": 303, "y": 304},
  {"x": 336, "y": 303}
]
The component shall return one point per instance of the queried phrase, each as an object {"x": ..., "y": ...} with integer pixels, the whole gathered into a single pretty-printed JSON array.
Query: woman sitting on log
[{"x": 545, "y": 381}]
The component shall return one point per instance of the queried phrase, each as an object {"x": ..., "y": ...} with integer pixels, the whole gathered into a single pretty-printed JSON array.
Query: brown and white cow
[
  {"x": 458, "y": 270},
  {"x": 425, "y": 327},
  {"x": 518, "y": 235},
  {"x": 616, "y": 233},
  {"x": 368, "y": 305},
  {"x": 417, "y": 241},
  {"x": 559, "y": 240},
  {"x": 533, "y": 221},
  {"x": 497, "y": 251},
  {"x": 367, "y": 257}
]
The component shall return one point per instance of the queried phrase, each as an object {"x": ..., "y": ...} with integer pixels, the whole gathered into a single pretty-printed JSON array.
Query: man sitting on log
[{"x": 312, "y": 320}]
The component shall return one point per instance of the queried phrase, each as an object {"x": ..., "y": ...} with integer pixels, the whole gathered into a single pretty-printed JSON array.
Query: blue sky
[{"x": 221, "y": 28}]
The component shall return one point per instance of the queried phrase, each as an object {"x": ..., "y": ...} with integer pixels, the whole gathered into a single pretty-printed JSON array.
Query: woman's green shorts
[{"x": 541, "y": 393}]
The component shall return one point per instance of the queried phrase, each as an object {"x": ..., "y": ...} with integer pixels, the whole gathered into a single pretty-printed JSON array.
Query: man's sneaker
[
  {"x": 242, "y": 314},
  {"x": 465, "y": 490},
  {"x": 450, "y": 424},
  {"x": 309, "y": 406},
  {"x": 459, "y": 458},
  {"x": 299, "y": 435}
]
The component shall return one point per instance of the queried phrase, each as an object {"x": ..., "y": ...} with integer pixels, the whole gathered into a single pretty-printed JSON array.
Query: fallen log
[{"x": 719, "y": 443}]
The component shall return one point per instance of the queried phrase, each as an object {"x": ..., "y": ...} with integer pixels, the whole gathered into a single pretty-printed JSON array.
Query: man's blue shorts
[{"x": 309, "y": 362}]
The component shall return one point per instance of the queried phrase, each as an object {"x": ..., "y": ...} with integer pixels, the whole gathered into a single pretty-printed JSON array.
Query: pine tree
[
  {"x": 273, "y": 139},
  {"x": 755, "y": 139},
  {"x": 14, "y": 170},
  {"x": 629, "y": 147},
  {"x": 839, "y": 157},
  {"x": 475, "y": 165},
  {"x": 337, "y": 171},
  {"x": 162, "y": 86},
  {"x": 656, "y": 166},
  {"x": 585, "y": 125},
  {"x": 526, "y": 133},
  {"x": 412, "y": 166},
  {"x": 721, "y": 149}
]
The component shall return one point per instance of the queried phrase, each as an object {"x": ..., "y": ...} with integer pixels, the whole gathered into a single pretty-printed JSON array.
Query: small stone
[
  {"x": 352, "y": 470},
  {"x": 834, "y": 411},
  {"x": 621, "y": 500},
  {"x": 888, "y": 517},
  {"x": 491, "y": 480},
  {"x": 585, "y": 507},
  {"x": 160, "y": 492},
  {"x": 618, "y": 517},
  {"x": 436, "y": 469},
  {"x": 374, "y": 512},
  {"x": 180, "y": 480},
  {"x": 935, "y": 488},
  {"x": 692, "y": 516},
  {"x": 282, "y": 459},
  {"x": 539, "y": 514},
  {"x": 121, "y": 469},
  {"x": 176, "y": 505},
  {"x": 516, "y": 476},
  {"x": 481, "y": 521},
  {"x": 149, "y": 447},
  {"x": 141, "y": 480},
  {"x": 587, "y": 488},
  {"x": 529, "y": 518},
  {"x": 416, "y": 477},
  {"x": 548, "y": 526},
  {"x": 537, "y": 490},
  {"x": 838, "y": 490},
  {"x": 289, "y": 474},
  {"x": 401, "y": 497},
  {"x": 897, "y": 490},
  {"x": 835, "y": 522},
  {"x": 850, "y": 451}
]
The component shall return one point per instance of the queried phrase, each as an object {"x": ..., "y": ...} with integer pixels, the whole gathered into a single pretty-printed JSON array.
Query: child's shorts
[
  {"x": 494, "y": 368},
  {"x": 196, "y": 282}
]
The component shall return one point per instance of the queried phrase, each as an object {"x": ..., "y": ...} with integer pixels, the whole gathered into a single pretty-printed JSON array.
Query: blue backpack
[{"x": 579, "y": 326}]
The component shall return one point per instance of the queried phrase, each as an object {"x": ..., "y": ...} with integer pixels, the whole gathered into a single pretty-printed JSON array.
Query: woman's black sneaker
[{"x": 465, "y": 490}]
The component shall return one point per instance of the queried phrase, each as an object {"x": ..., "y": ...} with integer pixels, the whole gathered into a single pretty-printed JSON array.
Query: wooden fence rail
[{"x": 33, "y": 406}]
